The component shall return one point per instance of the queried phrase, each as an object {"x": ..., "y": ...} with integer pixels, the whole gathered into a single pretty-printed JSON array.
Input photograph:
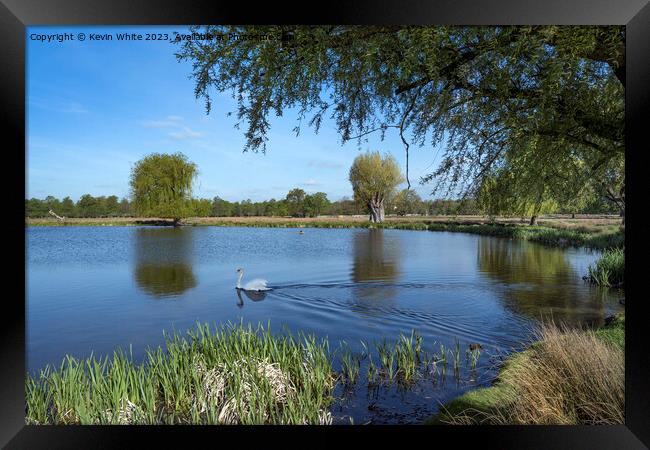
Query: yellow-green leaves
[{"x": 161, "y": 186}]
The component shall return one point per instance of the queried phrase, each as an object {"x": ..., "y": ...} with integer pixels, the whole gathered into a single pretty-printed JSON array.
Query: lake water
[{"x": 92, "y": 289}]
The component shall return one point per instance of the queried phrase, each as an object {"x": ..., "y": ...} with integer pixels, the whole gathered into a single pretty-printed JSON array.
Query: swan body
[{"x": 258, "y": 284}]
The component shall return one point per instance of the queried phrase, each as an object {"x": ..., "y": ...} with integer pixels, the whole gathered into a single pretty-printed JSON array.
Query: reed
[
  {"x": 350, "y": 365},
  {"x": 609, "y": 269},
  {"x": 472, "y": 357},
  {"x": 386, "y": 356},
  {"x": 232, "y": 374},
  {"x": 456, "y": 357},
  {"x": 405, "y": 356}
]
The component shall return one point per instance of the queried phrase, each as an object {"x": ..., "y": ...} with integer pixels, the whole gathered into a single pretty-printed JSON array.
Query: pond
[{"x": 93, "y": 289}]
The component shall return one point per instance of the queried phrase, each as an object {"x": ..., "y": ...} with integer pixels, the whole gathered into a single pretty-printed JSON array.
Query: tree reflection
[
  {"x": 375, "y": 267},
  {"x": 539, "y": 281},
  {"x": 163, "y": 261}
]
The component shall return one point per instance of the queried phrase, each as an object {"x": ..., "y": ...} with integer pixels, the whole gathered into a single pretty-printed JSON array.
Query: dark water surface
[{"x": 97, "y": 288}]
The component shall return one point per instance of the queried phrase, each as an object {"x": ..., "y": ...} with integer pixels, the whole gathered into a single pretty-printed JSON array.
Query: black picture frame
[{"x": 16, "y": 15}]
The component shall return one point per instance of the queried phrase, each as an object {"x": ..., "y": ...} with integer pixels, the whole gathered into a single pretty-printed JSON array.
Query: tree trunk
[
  {"x": 377, "y": 213},
  {"x": 537, "y": 208}
]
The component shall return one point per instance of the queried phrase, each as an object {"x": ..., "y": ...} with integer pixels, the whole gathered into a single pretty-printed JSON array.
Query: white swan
[{"x": 257, "y": 284}]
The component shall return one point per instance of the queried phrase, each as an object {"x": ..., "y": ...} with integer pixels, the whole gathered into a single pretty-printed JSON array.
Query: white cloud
[
  {"x": 311, "y": 182},
  {"x": 323, "y": 164},
  {"x": 168, "y": 122},
  {"x": 185, "y": 133},
  {"x": 158, "y": 124}
]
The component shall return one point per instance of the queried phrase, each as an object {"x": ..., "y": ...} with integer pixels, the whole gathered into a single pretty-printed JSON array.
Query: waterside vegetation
[
  {"x": 234, "y": 374},
  {"x": 552, "y": 232},
  {"x": 568, "y": 376}
]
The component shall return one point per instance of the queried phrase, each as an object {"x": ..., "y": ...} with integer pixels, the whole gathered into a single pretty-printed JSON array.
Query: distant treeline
[{"x": 297, "y": 203}]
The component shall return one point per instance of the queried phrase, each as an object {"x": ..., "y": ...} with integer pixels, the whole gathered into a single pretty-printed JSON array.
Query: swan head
[{"x": 240, "y": 270}]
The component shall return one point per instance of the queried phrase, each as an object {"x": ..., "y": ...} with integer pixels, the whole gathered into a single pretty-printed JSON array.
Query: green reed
[
  {"x": 350, "y": 365},
  {"x": 232, "y": 374},
  {"x": 609, "y": 269},
  {"x": 405, "y": 356},
  {"x": 472, "y": 357},
  {"x": 456, "y": 357}
]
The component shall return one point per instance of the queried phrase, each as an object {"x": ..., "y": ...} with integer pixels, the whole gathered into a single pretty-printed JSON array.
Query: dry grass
[
  {"x": 568, "y": 377},
  {"x": 586, "y": 223},
  {"x": 250, "y": 374}
]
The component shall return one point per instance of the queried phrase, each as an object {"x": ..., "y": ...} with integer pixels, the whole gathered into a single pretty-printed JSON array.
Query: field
[{"x": 584, "y": 223}]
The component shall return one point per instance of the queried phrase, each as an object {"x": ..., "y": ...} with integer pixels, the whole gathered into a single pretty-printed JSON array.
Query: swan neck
[{"x": 241, "y": 274}]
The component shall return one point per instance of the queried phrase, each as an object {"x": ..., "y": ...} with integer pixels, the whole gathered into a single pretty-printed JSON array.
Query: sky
[{"x": 94, "y": 108}]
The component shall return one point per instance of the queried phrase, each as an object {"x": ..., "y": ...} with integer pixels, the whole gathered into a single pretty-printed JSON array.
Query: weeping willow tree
[
  {"x": 483, "y": 92},
  {"x": 161, "y": 186},
  {"x": 534, "y": 178},
  {"x": 374, "y": 179},
  {"x": 501, "y": 195}
]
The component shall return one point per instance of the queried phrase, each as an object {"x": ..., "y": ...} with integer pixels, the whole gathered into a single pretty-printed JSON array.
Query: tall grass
[
  {"x": 350, "y": 365},
  {"x": 609, "y": 270},
  {"x": 233, "y": 374},
  {"x": 568, "y": 377}
]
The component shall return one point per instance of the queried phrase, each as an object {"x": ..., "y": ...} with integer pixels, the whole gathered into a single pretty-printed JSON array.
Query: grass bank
[
  {"x": 597, "y": 232},
  {"x": 565, "y": 377}
]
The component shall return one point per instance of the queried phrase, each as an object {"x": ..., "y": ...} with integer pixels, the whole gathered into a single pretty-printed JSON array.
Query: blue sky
[{"x": 95, "y": 108}]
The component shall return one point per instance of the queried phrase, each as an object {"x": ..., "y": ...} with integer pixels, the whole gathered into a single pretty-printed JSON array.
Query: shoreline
[
  {"x": 485, "y": 405},
  {"x": 555, "y": 234},
  {"x": 595, "y": 232}
]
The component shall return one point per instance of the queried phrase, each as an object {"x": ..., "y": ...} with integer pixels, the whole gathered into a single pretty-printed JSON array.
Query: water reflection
[
  {"x": 163, "y": 256},
  {"x": 539, "y": 281},
  {"x": 256, "y": 296},
  {"x": 375, "y": 267}
]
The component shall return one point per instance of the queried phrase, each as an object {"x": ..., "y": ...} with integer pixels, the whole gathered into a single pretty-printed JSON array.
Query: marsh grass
[
  {"x": 472, "y": 357},
  {"x": 456, "y": 357},
  {"x": 350, "y": 365},
  {"x": 609, "y": 269},
  {"x": 229, "y": 375},
  {"x": 406, "y": 358},
  {"x": 569, "y": 376},
  {"x": 233, "y": 374}
]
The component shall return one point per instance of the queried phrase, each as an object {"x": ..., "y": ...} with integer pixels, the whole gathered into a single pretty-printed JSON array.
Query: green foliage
[
  {"x": 406, "y": 202},
  {"x": 161, "y": 186},
  {"x": 609, "y": 269},
  {"x": 296, "y": 202},
  {"x": 374, "y": 179},
  {"x": 87, "y": 206},
  {"x": 201, "y": 207},
  {"x": 548, "y": 99},
  {"x": 315, "y": 204},
  {"x": 506, "y": 195},
  {"x": 374, "y": 176},
  {"x": 614, "y": 331}
]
